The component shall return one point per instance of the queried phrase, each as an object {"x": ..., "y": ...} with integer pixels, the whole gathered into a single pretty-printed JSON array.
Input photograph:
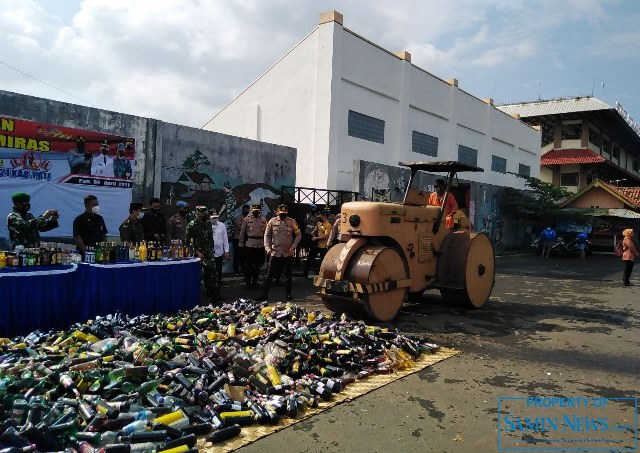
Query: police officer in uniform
[
  {"x": 200, "y": 234},
  {"x": 131, "y": 228},
  {"x": 177, "y": 225},
  {"x": 281, "y": 238},
  {"x": 24, "y": 228},
  {"x": 238, "y": 257},
  {"x": 252, "y": 243}
]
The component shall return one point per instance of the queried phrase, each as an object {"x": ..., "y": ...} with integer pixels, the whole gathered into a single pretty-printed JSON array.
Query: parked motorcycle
[{"x": 561, "y": 247}]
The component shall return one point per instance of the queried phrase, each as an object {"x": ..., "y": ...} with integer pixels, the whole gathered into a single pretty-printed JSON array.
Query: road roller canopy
[{"x": 440, "y": 166}]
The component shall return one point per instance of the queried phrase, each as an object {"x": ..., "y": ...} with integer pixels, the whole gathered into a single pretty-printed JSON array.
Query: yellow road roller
[{"x": 391, "y": 251}]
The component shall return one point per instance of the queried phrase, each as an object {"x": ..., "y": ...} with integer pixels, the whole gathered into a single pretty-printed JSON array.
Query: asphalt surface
[{"x": 557, "y": 327}]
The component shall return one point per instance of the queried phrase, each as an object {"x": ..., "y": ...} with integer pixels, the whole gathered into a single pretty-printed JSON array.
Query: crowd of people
[{"x": 255, "y": 238}]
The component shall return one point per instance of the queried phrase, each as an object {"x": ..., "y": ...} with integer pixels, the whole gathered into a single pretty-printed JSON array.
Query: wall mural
[
  {"x": 379, "y": 182},
  {"x": 199, "y": 182}
]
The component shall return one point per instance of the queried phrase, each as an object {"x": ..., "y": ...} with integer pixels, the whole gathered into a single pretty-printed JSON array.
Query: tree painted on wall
[{"x": 195, "y": 160}]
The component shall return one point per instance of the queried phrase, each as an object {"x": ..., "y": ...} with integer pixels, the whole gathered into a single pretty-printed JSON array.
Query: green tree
[
  {"x": 195, "y": 160},
  {"x": 539, "y": 204}
]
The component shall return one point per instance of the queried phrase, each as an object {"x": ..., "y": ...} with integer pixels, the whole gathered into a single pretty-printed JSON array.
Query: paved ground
[{"x": 553, "y": 327}]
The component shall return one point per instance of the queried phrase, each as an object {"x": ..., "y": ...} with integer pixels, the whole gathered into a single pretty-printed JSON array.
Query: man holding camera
[{"x": 24, "y": 228}]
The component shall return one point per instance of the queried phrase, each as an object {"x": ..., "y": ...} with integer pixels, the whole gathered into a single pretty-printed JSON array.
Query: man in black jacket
[{"x": 154, "y": 224}]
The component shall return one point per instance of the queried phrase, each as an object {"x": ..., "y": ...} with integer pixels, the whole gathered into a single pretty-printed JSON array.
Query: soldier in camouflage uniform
[
  {"x": 131, "y": 229},
  {"x": 281, "y": 238},
  {"x": 24, "y": 228},
  {"x": 252, "y": 244},
  {"x": 200, "y": 234}
]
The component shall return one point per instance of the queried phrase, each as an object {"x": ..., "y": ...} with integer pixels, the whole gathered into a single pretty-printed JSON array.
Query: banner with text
[{"x": 58, "y": 166}]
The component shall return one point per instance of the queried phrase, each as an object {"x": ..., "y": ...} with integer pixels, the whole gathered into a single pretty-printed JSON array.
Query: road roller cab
[{"x": 389, "y": 251}]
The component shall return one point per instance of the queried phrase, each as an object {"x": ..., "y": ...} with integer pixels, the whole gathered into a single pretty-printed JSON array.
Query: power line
[{"x": 47, "y": 84}]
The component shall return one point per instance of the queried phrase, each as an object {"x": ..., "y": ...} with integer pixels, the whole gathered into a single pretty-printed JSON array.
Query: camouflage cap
[
  {"x": 202, "y": 210},
  {"x": 21, "y": 197}
]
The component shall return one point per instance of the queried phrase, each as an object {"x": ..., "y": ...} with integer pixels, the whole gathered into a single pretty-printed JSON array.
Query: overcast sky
[{"x": 182, "y": 61}]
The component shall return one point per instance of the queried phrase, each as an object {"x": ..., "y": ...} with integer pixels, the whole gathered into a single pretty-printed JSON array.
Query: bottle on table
[{"x": 142, "y": 251}]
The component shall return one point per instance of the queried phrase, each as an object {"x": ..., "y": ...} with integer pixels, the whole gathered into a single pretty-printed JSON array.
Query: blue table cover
[
  {"x": 35, "y": 297},
  {"x": 59, "y": 296}
]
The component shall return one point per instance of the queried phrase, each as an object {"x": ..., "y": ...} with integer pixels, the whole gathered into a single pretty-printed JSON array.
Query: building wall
[
  {"x": 286, "y": 106},
  {"x": 597, "y": 198},
  {"x": 143, "y": 130},
  {"x": 304, "y": 101},
  {"x": 242, "y": 170},
  {"x": 407, "y": 98}
]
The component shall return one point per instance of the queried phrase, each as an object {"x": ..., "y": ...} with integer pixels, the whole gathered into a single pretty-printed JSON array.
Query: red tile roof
[
  {"x": 631, "y": 193},
  {"x": 571, "y": 156}
]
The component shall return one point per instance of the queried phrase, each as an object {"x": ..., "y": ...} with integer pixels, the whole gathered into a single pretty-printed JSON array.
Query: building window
[
  {"x": 524, "y": 170},
  {"x": 571, "y": 131},
  {"x": 547, "y": 134},
  {"x": 615, "y": 153},
  {"x": 366, "y": 127},
  {"x": 424, "y": 144},
  {"x": 595, "y": 138},
  {"x": 467, "y": 155},
  {"x": 498, "y": 164},
  {"x": 569, "y": 179}
]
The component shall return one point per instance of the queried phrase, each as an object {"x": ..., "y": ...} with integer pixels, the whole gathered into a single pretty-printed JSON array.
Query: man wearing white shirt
[
  {"x": 102, "y": 165},
  {"x": 220, "y": 245}
]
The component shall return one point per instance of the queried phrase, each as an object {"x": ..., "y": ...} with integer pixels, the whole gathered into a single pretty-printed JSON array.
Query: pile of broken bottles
[{"x": 157, "y": 383}]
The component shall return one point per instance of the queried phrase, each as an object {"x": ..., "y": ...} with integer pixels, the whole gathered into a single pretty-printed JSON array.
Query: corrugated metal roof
[
  {"x": 616, "y": 212},
  {"x": 571, "y": 156},
  {"x": 554, "y": 106}
]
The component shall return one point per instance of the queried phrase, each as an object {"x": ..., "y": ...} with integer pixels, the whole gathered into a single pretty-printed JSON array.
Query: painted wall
[
  {"x": 240, "y": 170},
  {"x": 226, "y": 172},
  {"x": 142, "y": 130},
  {"x": 388, "y": 183},
  {"x": 303, "y": 101}
]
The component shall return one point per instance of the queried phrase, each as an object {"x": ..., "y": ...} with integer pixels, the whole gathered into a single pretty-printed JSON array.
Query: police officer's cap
[
  {"x": 256, "y": 207},
  {"x": 202, "y": 209},
  {"x": 20, "y": 197},
  {"x": 136, "y": 206},
  {"x": 283, "y": 209}
]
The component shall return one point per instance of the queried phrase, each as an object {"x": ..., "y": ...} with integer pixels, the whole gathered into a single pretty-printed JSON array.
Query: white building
[{"x": 341, "y": 99}]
